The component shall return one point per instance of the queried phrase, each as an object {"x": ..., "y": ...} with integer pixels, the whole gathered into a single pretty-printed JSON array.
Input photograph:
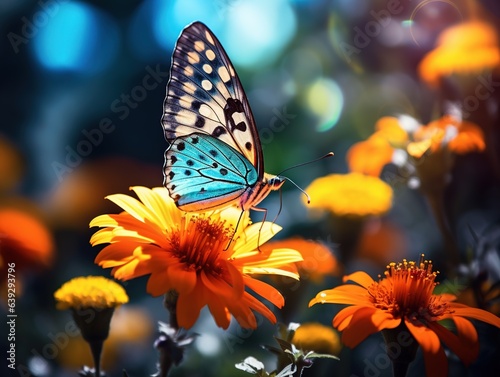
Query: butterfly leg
[
  {"x": 280, "y": 208},
  {"x": 262, "y": 223},
  {"x": 235, "y": 229}
]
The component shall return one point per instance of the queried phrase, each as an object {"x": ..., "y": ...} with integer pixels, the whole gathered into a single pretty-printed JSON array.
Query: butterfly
[{"x": 215, "y": 156}]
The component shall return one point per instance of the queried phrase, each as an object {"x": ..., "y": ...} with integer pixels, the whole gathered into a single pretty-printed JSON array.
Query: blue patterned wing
[
  {"x": 204, "y": 173},
  {"x": 204, "y": 94}
]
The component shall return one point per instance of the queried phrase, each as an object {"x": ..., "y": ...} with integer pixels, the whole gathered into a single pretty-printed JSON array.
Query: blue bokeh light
[
  {"x": 157, "y": 24},
  {"x": 78, "y": 38},
  {"x": 258, "y": 30}
]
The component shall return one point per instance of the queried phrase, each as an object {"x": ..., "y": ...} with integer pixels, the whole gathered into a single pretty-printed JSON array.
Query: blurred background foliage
[{"x": 82, "y": 87}]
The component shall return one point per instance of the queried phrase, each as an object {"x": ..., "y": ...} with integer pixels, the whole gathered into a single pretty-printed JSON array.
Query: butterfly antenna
[
  {"x": 330, "y": 154},
  {"x": 301, "y": 190}
]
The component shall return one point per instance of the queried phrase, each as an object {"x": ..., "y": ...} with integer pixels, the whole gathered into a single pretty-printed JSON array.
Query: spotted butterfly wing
[{"x": 215, "y": 157}]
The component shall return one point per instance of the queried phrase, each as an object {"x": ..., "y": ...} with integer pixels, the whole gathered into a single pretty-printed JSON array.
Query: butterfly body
[{"x": 215, "y": 157}]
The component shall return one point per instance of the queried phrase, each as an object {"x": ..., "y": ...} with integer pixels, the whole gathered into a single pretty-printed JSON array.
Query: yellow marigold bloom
[
  {"x": 469, "y": 47},
  {"x": 314, "y": 336},
  {"x": 352, "y": 195},
  {"x": 90, "y": 292},
  {"x": 403, "y": 301},
  {"x": 191, "y": 253}
]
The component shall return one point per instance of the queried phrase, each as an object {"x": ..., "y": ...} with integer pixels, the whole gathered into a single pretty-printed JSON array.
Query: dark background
[{"x": 68, "y": 68}]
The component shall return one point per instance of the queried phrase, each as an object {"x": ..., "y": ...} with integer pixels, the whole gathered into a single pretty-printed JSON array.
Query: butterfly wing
[
  {"x": 205, "y": 173},
  {"x": 205, "y": 95}
]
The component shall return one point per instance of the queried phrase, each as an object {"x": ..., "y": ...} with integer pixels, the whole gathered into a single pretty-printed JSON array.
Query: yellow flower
[
  {"x": 90, "y": 292},
  {"x": 403, "y": 304},
  {"x": 317, "y": 337},
  {"x": 352, "y": 195},
  {"x": 468, "y": 47},
  {"x": 199, "y": 255},
  {"x": 92, "y": 301}
]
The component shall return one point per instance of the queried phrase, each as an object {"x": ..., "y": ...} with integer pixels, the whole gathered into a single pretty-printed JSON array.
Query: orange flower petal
[
  {"x": 24, "y": 239},
  {"x": 466, "y": 311},
  {"x": 465, "y": 345},
  {"x": 469, "y": 139},
  {"x": 265, "y": 290},
  {"x": 258, "y": 306},
  {"x": 343, "y": 294},
  {"x": 183, "y": 278},
  {"x": 360, "y": 277},
  {"x": 436, "y": 363},
  {"x": 189, "y": 307},
  {"x": 318, "y": 260},
  {"x": 364, "y": 322},
  {"x": 370, "y": 156},
  {"x": 219, "y": 311},
  {"x": 157, "y": 284},
  {"x": 343, "y": 318},
  {"x": 389, "y": 128}
]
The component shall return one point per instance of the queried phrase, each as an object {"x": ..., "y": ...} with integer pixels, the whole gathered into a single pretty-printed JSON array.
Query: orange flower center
[
  {"x": 198, "y": 243},
  {"x": 407, "y": 290}
]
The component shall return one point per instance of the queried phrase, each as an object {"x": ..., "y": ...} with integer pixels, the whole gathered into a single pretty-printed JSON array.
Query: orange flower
[
  {"x": 24, "y": 239},
  {"x": 468, "y": 47},
  {"x": 318, "y": 259},
  {"x": 459, "y": 136},
  {"x": 404, "y": 299},
  {"x": 192, "y": 254},
  {"x": 369, "y": 157},
  {"x": 397, "y": 139}
]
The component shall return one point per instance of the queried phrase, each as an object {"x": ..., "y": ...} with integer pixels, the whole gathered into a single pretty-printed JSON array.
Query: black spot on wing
[
  {"x": 181, "y": 146},
  {"x": 195, "y": 105},
  {"x": 223, "y": 171},
  {"x": 190, "y": 162},
  {"x": 213, "y": 152},
  {"x": 240, "y": 127},
  {"x": 248, "y": 146},
  {"x": 195, "y": 140},
  {"x": 173, "y": 159},
  {"x": 171, "y": 175},
  {"x": 233, "y": 106},
  {"x": 218, "y": 131},
  {"x": 200, "y": 122},
  {"x": 187, "y": 172}
]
